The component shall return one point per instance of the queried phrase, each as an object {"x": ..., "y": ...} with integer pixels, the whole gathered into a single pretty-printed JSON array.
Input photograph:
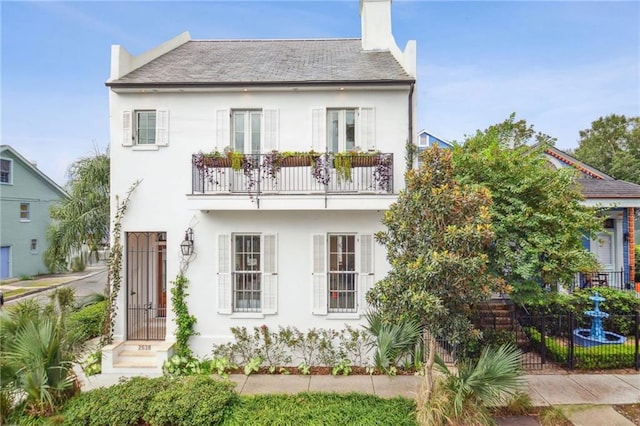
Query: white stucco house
[{"x": 286, "y": 245}]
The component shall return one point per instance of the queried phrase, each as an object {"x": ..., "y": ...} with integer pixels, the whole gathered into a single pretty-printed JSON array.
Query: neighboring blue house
[
  {"x": 617, "y": 199},
  {"x": 25, "y": 197},
  {"x": 426, "y": 139}
]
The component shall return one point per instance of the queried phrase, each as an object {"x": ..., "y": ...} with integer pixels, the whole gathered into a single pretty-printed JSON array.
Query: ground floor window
[
  {"x": 342, "y": 277},
  {"x": 246, "y": 273}
]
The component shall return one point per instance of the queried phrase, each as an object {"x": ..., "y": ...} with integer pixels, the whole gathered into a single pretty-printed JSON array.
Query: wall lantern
[
  {"x": 186, "y": 247},
  {"x": 626, "y": 237}
]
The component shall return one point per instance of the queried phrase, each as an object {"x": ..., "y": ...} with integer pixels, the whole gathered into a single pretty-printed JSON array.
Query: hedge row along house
[{"x": 271, "y": 162}]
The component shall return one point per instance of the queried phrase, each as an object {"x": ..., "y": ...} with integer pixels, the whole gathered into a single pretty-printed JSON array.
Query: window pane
[
  {"x": 238, "y": 131},
  {"x": 5, "y": 171},
  {"x": 333, "y": 128},
  {"x": 255, "y": 132},
  {"x": 146, "y": 127},
  {"x": 350, "y": 124}
]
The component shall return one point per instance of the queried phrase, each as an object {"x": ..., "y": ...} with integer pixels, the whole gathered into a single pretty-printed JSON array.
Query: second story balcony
[{"x": 298, "y": 173}]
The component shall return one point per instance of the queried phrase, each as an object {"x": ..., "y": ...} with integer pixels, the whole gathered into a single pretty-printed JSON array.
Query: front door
[
  {"x": 145, "y": 288},
  {"x": 5, "y": 262}
]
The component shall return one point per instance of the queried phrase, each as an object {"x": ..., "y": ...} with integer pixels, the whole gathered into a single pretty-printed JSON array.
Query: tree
[
  {"x": 437, "y": 236},
  {"x": 83, "y": 218},
  {"x": 612, "y": 145},
  {"x": 537, "y": 214}
]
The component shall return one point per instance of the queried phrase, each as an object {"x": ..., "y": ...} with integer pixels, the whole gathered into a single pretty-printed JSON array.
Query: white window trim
[
  {"x": 10, "y": 182},
  {"x": 28, "y": 219},
  {"x": 130, "y": 129}
]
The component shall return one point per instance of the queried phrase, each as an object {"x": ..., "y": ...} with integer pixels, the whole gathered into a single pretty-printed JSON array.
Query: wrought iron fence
[{"x": 258, "y": 174}]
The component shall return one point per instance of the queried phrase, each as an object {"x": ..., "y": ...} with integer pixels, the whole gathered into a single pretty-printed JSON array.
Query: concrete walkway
[{"x": 585, "y": 399}]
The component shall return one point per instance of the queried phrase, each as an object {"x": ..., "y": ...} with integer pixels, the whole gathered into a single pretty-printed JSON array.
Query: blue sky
[{"x": 559, "y": 65}]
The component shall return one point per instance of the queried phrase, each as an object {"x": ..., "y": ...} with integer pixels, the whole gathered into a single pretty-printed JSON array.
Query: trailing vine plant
[
  {"x": 185, "y": 322},
  {"x": 114, "y": 264},
  {"x": 410, "y": 154}
]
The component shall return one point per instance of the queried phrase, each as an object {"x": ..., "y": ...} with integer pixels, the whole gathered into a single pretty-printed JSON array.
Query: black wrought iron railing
[
  {"x": 365, "y": 173},
  {"x": 612, "y": 279}
]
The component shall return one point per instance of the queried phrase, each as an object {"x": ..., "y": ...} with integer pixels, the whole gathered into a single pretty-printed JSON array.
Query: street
[{"x": 92, "y": 280}]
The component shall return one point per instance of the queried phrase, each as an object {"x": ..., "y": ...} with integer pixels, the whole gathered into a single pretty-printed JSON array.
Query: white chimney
[{"x": 375, "y": 17}]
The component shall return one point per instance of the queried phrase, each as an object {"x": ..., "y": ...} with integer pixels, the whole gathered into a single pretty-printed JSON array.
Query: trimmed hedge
[
  {"x": 312, "y": 408},
  {"x": 122, "y": 404},
  {"x": 194, "y": 400},
  {"x": 89, "y": 320},
  {"x": 587, "y": 358},
  {"x": 203, "y": 400}
]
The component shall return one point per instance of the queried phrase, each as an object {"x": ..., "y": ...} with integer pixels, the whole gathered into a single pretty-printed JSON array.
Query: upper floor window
[
  {"x": 145, "y": 127},
  {"x": 25, "y": 213},
  {"x": 341, "y": 129},
  {"x": 247, "y": 131},
  {"x": 5, "y": 171}
]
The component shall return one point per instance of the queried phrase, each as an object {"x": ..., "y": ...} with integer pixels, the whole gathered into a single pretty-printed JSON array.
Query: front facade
[
  {"x": 617, "y": 202},
  {"x": 26, "y": 194},
  {"x": 272, "y": 162}
]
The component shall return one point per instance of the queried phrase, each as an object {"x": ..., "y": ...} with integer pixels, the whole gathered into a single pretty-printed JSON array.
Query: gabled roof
[
  {"x": 246, "y": 62},
  {"x": 29, "y": 165},
  {"x": 574, "y": 162},
  {"x": 596, "y": 184}
]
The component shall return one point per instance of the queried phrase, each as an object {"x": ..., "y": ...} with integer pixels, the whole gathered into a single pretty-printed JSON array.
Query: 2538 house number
[{"x": 144, "y": 347}]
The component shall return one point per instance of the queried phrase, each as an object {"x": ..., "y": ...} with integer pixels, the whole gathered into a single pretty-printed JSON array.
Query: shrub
[
  {"x": 185, "y": 366},
  {"x": 311, "y": 409},
  {"x": 122, "y": 404},
  {"x": 196, "y": 400},
  {"x": 89, "y": 320},
  {"x": 77, "y": 264}
]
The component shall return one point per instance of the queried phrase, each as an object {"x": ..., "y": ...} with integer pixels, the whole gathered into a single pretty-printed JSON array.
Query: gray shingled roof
[
  {"x": 207, "y": 62},
  {"x": 605, "y": 188}
]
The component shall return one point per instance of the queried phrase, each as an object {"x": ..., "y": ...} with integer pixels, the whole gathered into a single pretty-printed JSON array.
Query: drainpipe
[{"x": 411, "y": 111}]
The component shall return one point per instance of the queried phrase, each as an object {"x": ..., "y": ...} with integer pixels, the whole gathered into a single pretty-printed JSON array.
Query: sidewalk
[{"x": 584, "y": 398}]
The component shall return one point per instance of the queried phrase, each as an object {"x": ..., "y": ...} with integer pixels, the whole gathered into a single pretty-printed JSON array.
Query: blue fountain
[{"x": 596, "y": 335}]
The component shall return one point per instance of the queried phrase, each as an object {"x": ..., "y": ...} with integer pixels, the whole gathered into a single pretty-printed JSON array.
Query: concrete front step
[{"x": 132, "y": 357}]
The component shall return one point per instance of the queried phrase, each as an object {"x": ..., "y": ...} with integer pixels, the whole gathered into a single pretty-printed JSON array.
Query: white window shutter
[
  {"x": 271, "y": 130},
  {"x": 162, "y": 127},
  {"x": 319, "y": 275},
  {"x": 367, "y": 124},
  {"x": 223, "y": 120},
  {"x": 224, "y": 275},
  {"x": 367, "y": 276},
  {"x": 318, "y": 130},
  {"x": 127, "y": 136},
  {"x": 270, "y": 275}
]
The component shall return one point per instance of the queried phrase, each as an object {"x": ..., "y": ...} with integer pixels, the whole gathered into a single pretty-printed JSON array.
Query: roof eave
[{"x": 177, "y": 85}]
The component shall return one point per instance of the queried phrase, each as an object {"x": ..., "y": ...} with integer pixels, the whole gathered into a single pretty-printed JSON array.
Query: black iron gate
[{"x": 146, "y": 285}]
